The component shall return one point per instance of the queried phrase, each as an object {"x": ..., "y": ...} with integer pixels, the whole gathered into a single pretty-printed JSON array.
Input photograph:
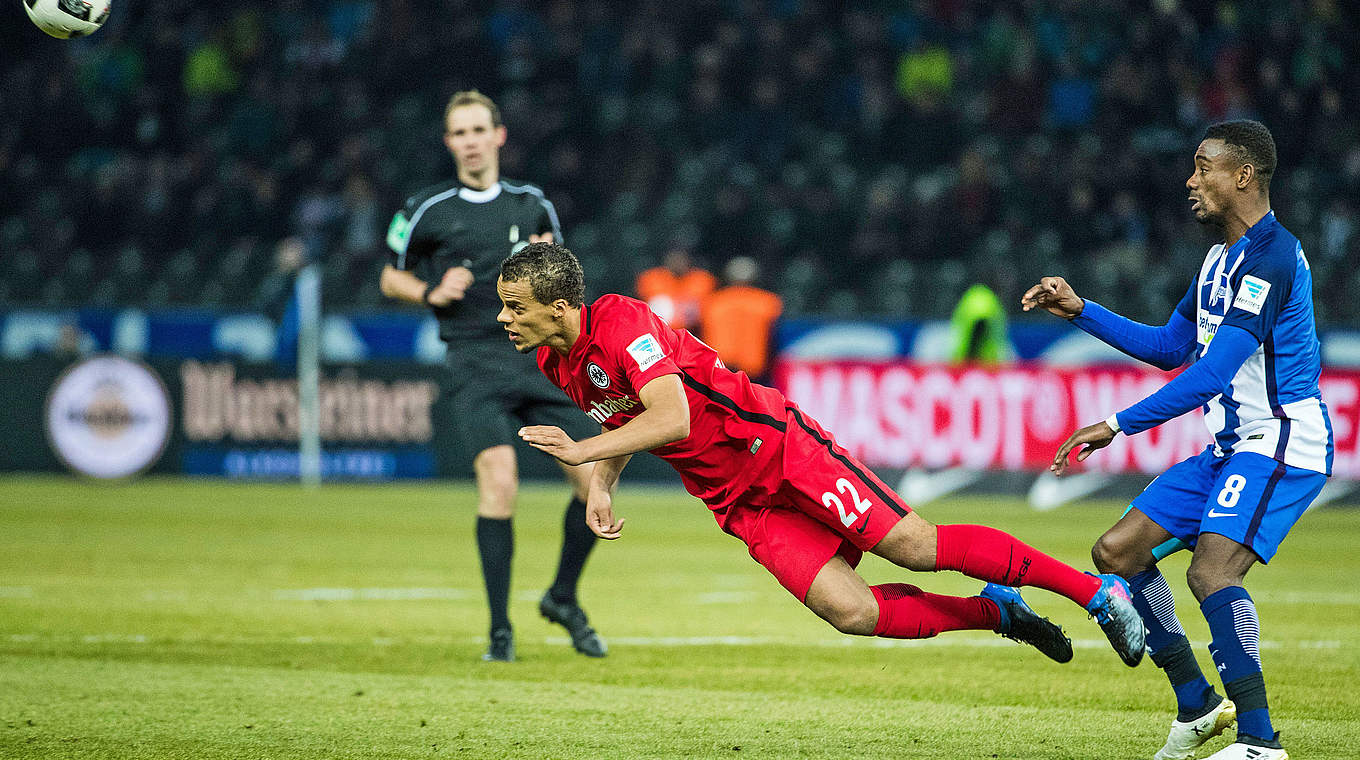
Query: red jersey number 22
[{"x": 857, "y": 506}]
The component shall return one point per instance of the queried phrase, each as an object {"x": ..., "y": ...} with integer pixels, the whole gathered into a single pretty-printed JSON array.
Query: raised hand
[
  {"x": 1055, "y": 295},
  {"x": 1096, "y": 436}
]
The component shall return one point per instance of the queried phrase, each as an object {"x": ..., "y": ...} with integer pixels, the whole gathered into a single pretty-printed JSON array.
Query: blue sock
[
  {"x": 1236, "y": 651},
  {"x": 1167, "y": 645}
]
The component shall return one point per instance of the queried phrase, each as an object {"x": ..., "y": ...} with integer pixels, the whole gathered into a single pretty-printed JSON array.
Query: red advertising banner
[{"x": 904, "y": 414}]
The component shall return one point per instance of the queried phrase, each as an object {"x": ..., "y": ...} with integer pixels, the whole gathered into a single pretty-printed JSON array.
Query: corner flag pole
[{"x": 308, "y": 290}]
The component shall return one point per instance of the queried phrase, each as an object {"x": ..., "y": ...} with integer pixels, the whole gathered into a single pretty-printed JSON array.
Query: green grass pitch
[{"x": 198, "y": 619}]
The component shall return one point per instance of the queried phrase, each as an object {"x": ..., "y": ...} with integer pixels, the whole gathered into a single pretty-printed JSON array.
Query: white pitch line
[
  {"x": 113, "y": 638},
  {"x": 709, "y": 597},
  {"x": 625, "y": 641},
  {"x": 425, "y": 593},
  {"x": 725, "y": 597},
  {"x": 1308, "y": 597},
  {"x": 370, "y": 594},
  {"x": 877, "y": 643}
]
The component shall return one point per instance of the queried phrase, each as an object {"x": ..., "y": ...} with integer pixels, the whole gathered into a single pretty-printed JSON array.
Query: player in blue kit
[{"x": 1247, "y": 325}]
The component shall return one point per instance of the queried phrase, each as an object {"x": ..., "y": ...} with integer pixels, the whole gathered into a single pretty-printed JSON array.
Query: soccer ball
[{"x": 68, "y": 18}]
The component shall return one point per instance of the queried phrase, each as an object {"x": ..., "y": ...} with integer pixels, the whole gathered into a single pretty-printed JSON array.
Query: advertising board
[{"x": 900, "y": 414}]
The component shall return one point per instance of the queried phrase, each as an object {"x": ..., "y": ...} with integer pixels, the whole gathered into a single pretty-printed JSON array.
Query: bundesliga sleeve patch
[
  {"x": 646, "y": 351},
  {"x": 1252, "y": 295}
]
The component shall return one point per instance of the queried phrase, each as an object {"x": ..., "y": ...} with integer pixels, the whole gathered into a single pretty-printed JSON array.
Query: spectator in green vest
[{"x": 979, "y": 323}]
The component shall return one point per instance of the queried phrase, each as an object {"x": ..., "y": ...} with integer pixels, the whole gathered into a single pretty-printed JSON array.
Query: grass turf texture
[{"x": 198, "y": 619}]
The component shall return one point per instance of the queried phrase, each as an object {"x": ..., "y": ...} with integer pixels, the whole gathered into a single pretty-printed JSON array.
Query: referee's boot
[
  {"x": 502, "y": 647},
  {"x": 1022, "y": 624},
  {"x": 569, "y": 615}
]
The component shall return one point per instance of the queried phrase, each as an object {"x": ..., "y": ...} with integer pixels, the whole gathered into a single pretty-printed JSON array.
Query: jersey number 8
[{"x": 1232, "y": 491}]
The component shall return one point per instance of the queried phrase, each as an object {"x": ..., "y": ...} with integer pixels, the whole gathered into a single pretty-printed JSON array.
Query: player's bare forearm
[
  {"x": 600, "y": 502},
  {"x": 647, "y": 431},
  {"x": 607, "y": 472},
  {"x": 642, "y": 433},
  {"x": 404, "y": 286},
  {"x": 401, "y": 285},
  {"x": 664, "y": 419}
]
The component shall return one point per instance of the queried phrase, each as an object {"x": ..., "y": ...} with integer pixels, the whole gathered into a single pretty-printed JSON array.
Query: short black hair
[
  {"x": 551, "y": 270},
  {"x": 1250, "y": 143}
]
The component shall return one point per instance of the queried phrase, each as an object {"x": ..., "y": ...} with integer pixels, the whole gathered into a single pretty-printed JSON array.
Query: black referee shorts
[{"x": 495, "y": 390}]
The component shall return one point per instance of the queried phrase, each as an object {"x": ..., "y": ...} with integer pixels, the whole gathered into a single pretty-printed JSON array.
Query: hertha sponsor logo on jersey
[
  {"x": 598, "y": 377},
  {"x": 1208, "y": 327},
  {"x": 600, "y": 411},
  {"x": 646, "y": 351}
]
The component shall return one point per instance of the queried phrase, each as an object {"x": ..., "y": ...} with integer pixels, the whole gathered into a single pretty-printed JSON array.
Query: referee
[{"x": 447, "y": 245}]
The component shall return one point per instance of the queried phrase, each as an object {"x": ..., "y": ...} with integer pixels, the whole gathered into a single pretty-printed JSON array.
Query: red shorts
[{"x": 816, "y": 502}]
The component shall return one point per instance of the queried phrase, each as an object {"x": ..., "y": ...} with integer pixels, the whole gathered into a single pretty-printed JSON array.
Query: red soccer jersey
[{"x": 735, "y": 425}]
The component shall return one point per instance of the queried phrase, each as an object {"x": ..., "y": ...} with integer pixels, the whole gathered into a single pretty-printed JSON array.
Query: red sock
[
  {"x": 992, "y": 555},
  {"x": 907, "y": 612}
]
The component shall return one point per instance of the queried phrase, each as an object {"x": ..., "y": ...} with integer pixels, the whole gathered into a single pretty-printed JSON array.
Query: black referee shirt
[{"x": 450, "y": 225}]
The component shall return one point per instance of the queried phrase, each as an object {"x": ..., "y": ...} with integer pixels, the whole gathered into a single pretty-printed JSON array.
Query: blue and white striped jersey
[{"x": 1262, "y": 284}]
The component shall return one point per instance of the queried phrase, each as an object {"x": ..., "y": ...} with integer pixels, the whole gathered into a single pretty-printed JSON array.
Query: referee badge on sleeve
[{"x": 399, "y": 232}]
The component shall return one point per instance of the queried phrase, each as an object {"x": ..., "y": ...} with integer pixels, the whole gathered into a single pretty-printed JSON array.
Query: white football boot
[
  {"x": 1240, "y": 751},
  {"x": 1187, "y": 737}
]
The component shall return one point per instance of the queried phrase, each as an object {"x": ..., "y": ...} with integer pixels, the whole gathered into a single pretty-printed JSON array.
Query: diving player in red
[{"x": 773, "y": 478}]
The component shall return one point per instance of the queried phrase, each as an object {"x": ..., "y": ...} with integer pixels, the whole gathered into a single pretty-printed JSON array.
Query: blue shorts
[{"x": 1250, "y": 498}]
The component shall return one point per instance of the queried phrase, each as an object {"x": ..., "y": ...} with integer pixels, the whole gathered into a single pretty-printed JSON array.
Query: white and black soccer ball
[{"x": 65, "y": 19}]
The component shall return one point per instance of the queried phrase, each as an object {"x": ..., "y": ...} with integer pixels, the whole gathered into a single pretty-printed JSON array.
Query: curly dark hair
[
  {"x": 1251, "y": 143},
  {"x": 551, "y": 270}
]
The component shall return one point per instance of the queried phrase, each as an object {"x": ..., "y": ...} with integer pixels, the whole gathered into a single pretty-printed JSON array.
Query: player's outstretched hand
[
  {"x": 1096, "y": 436},
  {"x": 1055, "y": 295},
  {"x": 452, "y": 286},
  {"x": 600, "y": 518},
  {"x": 554, "y": 441}
]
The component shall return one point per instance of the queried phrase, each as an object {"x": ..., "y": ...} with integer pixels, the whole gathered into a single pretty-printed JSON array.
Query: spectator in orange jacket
[
  {"x": 677, "y": 289},
  {"x": 738, "y": 319}
]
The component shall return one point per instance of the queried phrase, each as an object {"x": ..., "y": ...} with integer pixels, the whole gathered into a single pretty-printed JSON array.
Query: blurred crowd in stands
[{"x": 872, "y": 158}]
